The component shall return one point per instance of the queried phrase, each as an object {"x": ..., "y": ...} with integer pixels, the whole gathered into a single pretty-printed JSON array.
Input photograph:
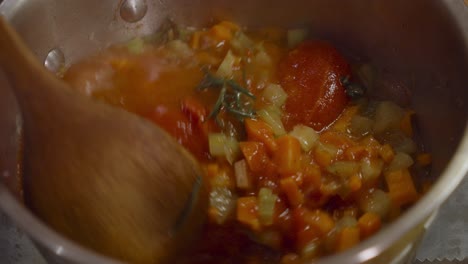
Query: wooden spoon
[{"x": 99, "y": 175}]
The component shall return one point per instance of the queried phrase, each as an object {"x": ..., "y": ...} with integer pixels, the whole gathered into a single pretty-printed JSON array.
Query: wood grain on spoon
[{"x": 101, "y": 176}]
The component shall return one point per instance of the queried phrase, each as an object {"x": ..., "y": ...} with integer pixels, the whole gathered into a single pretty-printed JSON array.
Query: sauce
[{"x": 296, "y": 167}]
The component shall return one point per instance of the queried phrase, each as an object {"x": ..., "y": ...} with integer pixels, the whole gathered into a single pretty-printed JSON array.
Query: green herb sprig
[{"x": 233, "y": 98}]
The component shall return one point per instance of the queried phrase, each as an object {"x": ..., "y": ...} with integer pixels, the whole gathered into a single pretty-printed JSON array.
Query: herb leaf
[{"x": 233, "y": 98}]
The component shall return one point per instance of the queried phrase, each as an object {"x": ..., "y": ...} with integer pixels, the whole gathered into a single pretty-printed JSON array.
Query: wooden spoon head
[{"x": 99, "y": 175}]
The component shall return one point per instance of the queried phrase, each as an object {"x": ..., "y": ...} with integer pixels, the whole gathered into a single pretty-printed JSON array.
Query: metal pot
[{"x": 420, "y": 45}]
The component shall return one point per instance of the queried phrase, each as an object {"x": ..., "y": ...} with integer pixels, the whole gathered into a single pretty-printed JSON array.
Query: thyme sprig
[{"x": 233, "y": 97}]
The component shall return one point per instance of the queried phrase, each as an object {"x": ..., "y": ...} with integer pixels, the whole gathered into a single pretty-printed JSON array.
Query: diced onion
[
  {"x": 345, "y": 221},
  {"x": 307, "y": 136},
  {"x": 266, "y": 205},
  {"x": 400, "y": 161},
  {"x": 271, "y": 238},
  {"x": 275, "y": 94},
  {"x": 387, "y": 116},
  {"x": 223, "y": 202},
  {"x": 360, "y": 125},
  {"x": 225, "y": 69},
  {"x": 296, "y": 36},
  {"x": 311, "y": 250},
  {"x": 262, "y": 58},
  {"x": 241, "y": 42},
  {"x": 179, "y": 48},
  {"x": 272, "y": 116},
  {"x": 242, "y": 175},
  {"x": 371, "y": 168},
  {"x": 377, "y": 202}
]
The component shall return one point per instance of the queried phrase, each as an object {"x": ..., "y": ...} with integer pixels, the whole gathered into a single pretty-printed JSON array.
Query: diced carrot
[
  {"x": 320, "y": 220},
  {"x": 195, "y": 41},
  {"x": 305, "y": 236},
  {"x": 230, "y": 25},
  {"x": 355, "y": 153},
  {"x": 288, "y": 155},
  {"x": 424, "y": 159},
  {"x": 401, "y": 187},
  {"x": 341, "y": 124},
  {"x": 369, "y": 223},
  {"x": 255, "y": 155},
  {"x": 224, "y": 30},
  {"x": 355, "y": 183},
  {"x": 258, "y": 130},
  {"x": 213, "y": 214},
  {"x": 312, "y": 175},
  {"x": 386, "y": 153},
  {"x": 247, "y": 212},
  {"x": 291, "y": 258},
  {"x": 206, "y": 58},
  {"x": 347, "y": 238},
  {"x": 337, "y": 139},
  {"x": 405, "y": 124},
  {"x": 211, "y": 170},
  {"x": 222, "y": 179},
  {"x": 292, "y": 191}
]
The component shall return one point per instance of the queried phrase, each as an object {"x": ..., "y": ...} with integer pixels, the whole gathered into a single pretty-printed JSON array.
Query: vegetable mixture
[{"x": 299, "y": 162}]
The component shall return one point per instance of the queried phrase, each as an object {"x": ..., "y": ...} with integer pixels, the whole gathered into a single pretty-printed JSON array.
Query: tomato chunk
[
  {"x": 183, "y": 128},
  {"x": 310, "y": 75}
]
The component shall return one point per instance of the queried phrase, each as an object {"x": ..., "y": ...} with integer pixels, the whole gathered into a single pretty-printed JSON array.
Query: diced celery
[
  {"x": 225, "y": 69},
  {"x": 307, "y": 136},
  {"x": 221, "y": 145},
  {"x": 231, "y": 149},
  {"x": 272, "y": 116},
  {"x": 136, "y": 45},
  {"x": 242, "y": 175},
  {"x": 216, "y": 143},
  {"x": 344, "y": 169},
  {"x": 296, "y": 36},
  {"x": 400, "y": 161},
  {"x": 223, "y": 201},
  {"x": 266, "y": 205},
  {"x": 275, "y": 94}
]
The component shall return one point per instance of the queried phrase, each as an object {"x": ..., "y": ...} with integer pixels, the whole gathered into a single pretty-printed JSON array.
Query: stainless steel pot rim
[{"x": 446, "y": 184}]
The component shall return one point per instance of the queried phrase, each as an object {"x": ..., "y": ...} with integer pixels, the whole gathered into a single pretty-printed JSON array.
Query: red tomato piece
[
  {"x": 183, "y": 128},
  {"x": 310, "y": 75}
]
